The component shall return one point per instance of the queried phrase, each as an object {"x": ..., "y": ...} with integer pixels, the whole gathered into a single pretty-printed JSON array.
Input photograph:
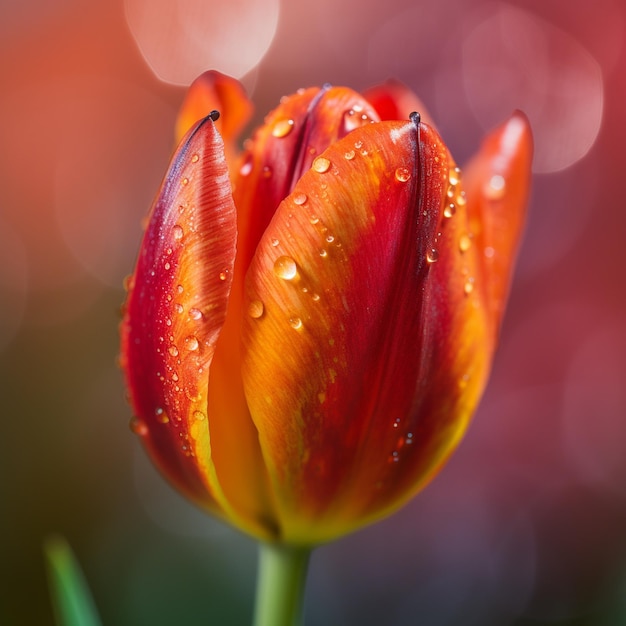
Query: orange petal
[
  {"x": 393, "y": 100},
  {"x": 498, "y": 183},
  {"x": 363, "y": 354},
  {"x": 302, "y": 127},
  {"x": 215, "y": 91},
  {"x": 175, "y": 311}
]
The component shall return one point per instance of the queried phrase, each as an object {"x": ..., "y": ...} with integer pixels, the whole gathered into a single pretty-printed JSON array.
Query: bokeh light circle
[
  {"x": 514, "y": 60},
  {"x": 180, "y": 39}
]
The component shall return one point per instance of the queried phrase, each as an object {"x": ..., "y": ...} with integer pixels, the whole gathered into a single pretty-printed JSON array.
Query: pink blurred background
[{"x": 527, "y": 523}]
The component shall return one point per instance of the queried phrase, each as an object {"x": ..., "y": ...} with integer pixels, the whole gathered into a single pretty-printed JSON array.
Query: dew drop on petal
[
  {"x": 299, "y": 199},
  {"x": 173, "y": 350},
  {"x": 199, "y": 415},
  {"x": 469, "y": 286},
  {"x": 185, "y": 181},
  {"x": 349, "y": 155},
  {"x": 256, "y": 309},
  {"x": 246, "y": 166},
  {"x": 465, "y": 243},
  {"x": 161, "y": 415},
  {"x": 267, "y": 171},
  {"x": 295, "y": 322},
  {"x": 195, "y": 314},
  {"x": 195, "y": 158},
  {"x": 178, "y": 308},
  {"x": 489, "y": 252},
  {"x": 274, "y": 242},
  {"x": 177, "y": 232},
  {"x": 138, "y": 426},
  {"x": 191, "y": 343},
  {"x": 496, "y": 187},
  {"x": 223, "y": 275},
  {"x": 454, "y": 176},
  {"x": 432, "y": 256},
  {"x": 403, "y": 174},
  {"x": 321, "y": 165},
  {"x": 285, "y": 267},
  {"x": 282, "y": 128},
  {"x": 449, "y": 210}
]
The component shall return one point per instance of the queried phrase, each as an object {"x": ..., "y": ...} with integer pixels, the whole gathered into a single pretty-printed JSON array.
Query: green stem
[{"x": 280, "y": 585}]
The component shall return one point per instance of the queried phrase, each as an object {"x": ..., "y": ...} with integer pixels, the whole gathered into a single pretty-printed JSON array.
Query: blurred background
[{"x": 527, "y": 523}]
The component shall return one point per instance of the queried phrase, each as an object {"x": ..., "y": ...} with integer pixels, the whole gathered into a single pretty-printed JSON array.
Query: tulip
[{"x": 311, "y": 323}]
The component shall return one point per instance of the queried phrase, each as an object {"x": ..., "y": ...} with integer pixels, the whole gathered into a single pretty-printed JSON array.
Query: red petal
[
  {"x": 498, "y": 183},
  {"x": 393, "y": 100},
  {"x": 301, "y": 128},
  {"x": 362, "y": 360},
  {"x": 175, "y": 310},
  {"x": 215, "y": 91}
]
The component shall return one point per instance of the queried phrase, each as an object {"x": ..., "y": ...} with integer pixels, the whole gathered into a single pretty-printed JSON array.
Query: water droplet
[
  {"x": 282, "y": 128},
  {"x": 461, "y": 200},
  {"x": 180, "y": 288},
  {"x": 432, "y": 256},
  {"x": 358, "y": 145},
  {"x": 299, "y": 199},
  {"x": 496, "y": 188},
  {"x": 192, "y": 343},
  {"x": 168, "y": 322},
  {"x": 465, "y": 243},
  {"x": 489, "y": 252},
  {"x": 185, "y": 181},
  {"x": 175, "y": 379},
  {"x": 295, "y": 322},
  {"x": 314, "y": 219},
  {"x": 267, "y": 171},
  {"x": 178, "y": 232},
  {"x": 403, "y": 174},
  {"x": 167, "y": 265},
  {"x": 161, "y": 415},
  {"x": 408, "y": 439},
  {"x": 285, "y": 267},
  {"x": 224, "y": 275},
  {"x": 469, "y": 286},
  {"x": 138, "y": 426},
  {"x": 256, "y": 309},
  {"x": 330, "y": 238},
  {"x": 315, "y": 297},
  {"x": 323, "y": 253},
  {"x": 354, "y": 118},
  {"x": 199, "y": 415},
  {"x": 178, "y": 308},
  {"x": 274, "y": 241},
  {"x": 454, "y": 176},
  {"x": 349, "y": 155},
  {"x": 321, "y": 165},
  {"x": 246, "y": 166},
  {"x": 394, "y": 457},
  {"x": 449, "y": 210},
  {"x": 195, "y": 314},
  {"x": 173, "y": 350},
  {"x": 195, "y": 158}
]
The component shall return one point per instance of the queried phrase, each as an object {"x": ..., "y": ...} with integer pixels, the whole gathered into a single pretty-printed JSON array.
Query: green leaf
[{"x": 71, "y": 598}]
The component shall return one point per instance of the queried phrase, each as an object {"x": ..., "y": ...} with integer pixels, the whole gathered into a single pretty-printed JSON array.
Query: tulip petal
[
  {"x": 497, "y": 181},
  {"x": 174, "y": 313},
  {"x": 215, "y": 91},
  {"x": 393, "y": 100},
  {"x": 299, "y": 129},
  {"x": 363, "y": 354}
]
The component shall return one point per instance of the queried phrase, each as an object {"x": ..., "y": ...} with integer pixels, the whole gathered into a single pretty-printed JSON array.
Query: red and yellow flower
[{"x": 311, "y": 323}]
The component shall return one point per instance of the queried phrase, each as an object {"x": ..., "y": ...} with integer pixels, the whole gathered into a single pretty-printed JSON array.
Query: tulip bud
[{"x": 304, "y": 350}]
